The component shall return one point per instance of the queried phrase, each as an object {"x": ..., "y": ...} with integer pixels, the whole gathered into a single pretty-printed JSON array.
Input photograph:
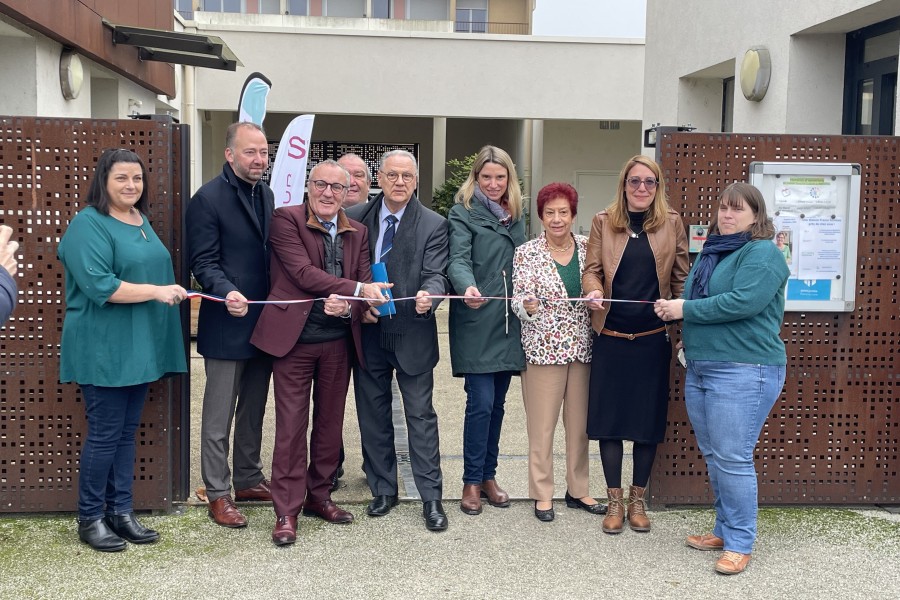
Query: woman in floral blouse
[{"x": 556, "y": 337}]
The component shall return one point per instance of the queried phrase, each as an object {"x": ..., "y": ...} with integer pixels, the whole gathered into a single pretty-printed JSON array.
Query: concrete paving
[{"x": 503, "y": 553}]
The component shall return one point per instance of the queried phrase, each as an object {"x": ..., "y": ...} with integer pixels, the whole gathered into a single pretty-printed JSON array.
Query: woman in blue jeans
[
  {"x": 121, "y": 332},
  {"x": 733, "y": 309},
  {"x": 486, "y": 226}
]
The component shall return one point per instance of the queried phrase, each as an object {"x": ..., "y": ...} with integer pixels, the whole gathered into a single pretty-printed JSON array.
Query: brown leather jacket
[{"x": 604, "y": 252}]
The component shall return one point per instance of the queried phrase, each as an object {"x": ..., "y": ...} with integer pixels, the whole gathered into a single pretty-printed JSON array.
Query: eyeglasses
[
  {"x": 393, "y": 176},
  {"x": 635, "y": 183},
  {"x": 321, "y": 184}
]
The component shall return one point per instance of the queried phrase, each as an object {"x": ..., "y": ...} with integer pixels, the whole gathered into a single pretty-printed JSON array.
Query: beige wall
[
  {"x": 430, "y": 75},
  {"x": 805, "y": 39}
]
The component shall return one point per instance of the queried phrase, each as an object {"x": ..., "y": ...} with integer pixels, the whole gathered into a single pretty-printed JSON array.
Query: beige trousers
[{"x": 546, "y": 388}]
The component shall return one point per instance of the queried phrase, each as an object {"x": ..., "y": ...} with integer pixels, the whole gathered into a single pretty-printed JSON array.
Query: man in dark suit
[
  {"x": 227, "y": 225},
  {"x": 317, "y": 252},
  {"x": 413, "y": 243}
]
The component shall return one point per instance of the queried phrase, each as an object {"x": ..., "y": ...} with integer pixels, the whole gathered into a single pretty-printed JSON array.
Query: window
[
  {"x": 229, "y": 6},
  {"x": 870, "y": 79},
  {"x": 185, "y": 8},
  {"x": 381, "y": 9},
  {"x": 297, "y": 7},
  {"x": 728, "y": 104},
  {"x": 471, "y": 16},
  {"x": 344, "y": 8},
  {"x": 428, "y": 10}
]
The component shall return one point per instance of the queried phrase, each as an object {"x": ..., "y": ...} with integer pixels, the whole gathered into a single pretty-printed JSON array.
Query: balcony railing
[{"x": 491, "y": 27}]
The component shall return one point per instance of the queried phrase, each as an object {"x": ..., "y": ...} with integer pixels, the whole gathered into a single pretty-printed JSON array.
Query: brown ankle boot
[
  {"x": 637, "y": 509},
  {"x": 614, "y": 520},
  {"x": 471, "y": 499},
  {"x": 494, "y": 494}
]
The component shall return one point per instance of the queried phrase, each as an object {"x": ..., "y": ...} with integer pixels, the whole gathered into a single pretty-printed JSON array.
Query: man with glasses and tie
[
  {"x": 317, "y": 252},
  {"x": 412, "y": 242}
]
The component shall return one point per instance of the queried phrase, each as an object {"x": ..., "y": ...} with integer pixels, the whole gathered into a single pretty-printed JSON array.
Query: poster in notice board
[{"x": 815, "y": 208}]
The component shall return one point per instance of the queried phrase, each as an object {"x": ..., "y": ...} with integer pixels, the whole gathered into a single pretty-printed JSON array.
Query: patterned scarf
[{"x": 498, "y": 211}]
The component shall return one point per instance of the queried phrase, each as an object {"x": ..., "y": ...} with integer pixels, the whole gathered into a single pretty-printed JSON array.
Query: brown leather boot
[
  {"x": 637, "y": 509},
  {"x": 494, "y": 494},
  {"x": 471, "y": 499},
  {"x": 614, "y": 520}
]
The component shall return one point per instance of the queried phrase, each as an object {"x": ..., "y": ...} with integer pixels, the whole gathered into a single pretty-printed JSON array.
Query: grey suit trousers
[
  {"x": 372, "y": 388},
  {"x": 236, "y": 392}
]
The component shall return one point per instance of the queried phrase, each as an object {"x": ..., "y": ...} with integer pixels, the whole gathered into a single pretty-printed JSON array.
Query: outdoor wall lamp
[{"x": 756, "y": 70}]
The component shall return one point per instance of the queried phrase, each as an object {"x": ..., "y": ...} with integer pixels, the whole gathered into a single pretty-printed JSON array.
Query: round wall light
[
  {"x": 71, "y": 74},
  {"x": 756, "y": 69}
]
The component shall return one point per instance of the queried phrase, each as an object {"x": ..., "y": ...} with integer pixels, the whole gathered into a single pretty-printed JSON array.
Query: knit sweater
[{"x": 741, "y": 319}]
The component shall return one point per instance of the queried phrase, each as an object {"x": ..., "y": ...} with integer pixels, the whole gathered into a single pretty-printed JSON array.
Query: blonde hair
[
  {"x": 659, "y": 207},
  {"x": 513, "y": 194}
]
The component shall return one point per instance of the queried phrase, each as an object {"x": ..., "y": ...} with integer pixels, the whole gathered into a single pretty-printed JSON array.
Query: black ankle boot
[
  {"x": 127, "y": 527},
  {"x": 99, "y": 536}
]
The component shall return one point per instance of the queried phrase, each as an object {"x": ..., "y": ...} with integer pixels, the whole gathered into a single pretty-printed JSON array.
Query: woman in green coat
[{"x": 486, "y": 226}]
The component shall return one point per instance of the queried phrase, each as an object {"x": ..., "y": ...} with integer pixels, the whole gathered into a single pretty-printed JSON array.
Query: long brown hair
[
  {"x": 659, "y": 208},
  {"x": 736, "y": 194}
]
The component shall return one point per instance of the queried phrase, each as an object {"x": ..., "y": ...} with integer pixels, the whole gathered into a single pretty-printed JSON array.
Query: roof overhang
[{"x": 176, "y": 47}]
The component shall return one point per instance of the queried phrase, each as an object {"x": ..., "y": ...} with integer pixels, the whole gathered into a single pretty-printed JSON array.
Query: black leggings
[{"x": 611, "y": 457}]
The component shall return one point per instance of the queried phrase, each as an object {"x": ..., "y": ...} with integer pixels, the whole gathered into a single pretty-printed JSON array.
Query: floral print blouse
[{"x": 560, "y": 331}]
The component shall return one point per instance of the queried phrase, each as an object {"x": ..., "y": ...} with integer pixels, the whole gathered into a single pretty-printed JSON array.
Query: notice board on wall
[{"x": 815, "y": 208}]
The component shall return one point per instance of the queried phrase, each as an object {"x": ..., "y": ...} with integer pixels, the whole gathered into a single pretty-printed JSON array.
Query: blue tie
[{"x": 387, "y": 242}]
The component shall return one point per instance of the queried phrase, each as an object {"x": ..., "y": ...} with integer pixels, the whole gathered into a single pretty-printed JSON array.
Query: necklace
[
  {"x": 563, "y": 249},
  {"x": 634, "y": 235}
]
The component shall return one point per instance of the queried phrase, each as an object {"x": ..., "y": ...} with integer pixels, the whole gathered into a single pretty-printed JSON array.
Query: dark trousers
[
  {"x": 299, "y": 473},
  {"x": 485, "y": 407},
  {"x": 106, "y": 467},
  {"x": 374, "y": 399}
]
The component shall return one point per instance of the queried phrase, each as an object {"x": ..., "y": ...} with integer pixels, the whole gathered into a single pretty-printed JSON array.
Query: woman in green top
[
  {"x": 121, "y": 332},
  {"x": 733, "y": 308}
]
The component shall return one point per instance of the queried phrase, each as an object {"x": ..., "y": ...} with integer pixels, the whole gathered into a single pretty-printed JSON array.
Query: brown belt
[{"x": 631, "y": 336}]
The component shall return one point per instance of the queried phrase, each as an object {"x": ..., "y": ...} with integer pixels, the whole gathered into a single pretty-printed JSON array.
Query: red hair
[{"x": 554, "y": 190}]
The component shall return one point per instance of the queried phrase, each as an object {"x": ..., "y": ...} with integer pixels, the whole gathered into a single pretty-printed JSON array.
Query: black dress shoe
[
  {"x": 129, "y": 528},
  {"x": 435, "y": 517},
  {"x": 544, "y": 515},
  {"x": 594, "y": 509},
  {"x": 99, "y": 536},
  {"x": 381, "y": 505}
]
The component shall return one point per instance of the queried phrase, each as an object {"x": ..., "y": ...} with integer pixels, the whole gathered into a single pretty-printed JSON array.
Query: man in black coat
[
  {"x": 227, "y": 226},
  {"x": 413, "y": 243}
]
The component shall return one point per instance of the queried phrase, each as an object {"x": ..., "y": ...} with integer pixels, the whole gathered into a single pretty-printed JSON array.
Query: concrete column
[
  {"x": 189, "y": 118},
  {"x": 438, "y": 151},
  {"x": 537, "y": 170}
]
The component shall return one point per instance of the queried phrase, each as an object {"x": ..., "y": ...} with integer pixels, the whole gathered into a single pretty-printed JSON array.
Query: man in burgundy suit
[{"x": 317, "y": 252}]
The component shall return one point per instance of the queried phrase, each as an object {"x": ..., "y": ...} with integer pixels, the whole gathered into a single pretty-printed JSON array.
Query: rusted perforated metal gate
[
  {"x": 45, "y": 169},
  {"x": 834, "y": 435}
]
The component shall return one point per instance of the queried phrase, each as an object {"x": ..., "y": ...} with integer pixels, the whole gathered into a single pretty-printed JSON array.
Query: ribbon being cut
[{"x": 443, "y": 297}]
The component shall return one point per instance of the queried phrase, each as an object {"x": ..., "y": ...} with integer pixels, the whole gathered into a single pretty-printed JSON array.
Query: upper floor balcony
[{"x": 503, "y": 17}]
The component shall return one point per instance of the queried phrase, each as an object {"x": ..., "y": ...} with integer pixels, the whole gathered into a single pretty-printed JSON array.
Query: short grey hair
[
  {"x": 357, "y": 156},
  {"x": 398, "y": 152},
  {"x": 333, "y": 163}
]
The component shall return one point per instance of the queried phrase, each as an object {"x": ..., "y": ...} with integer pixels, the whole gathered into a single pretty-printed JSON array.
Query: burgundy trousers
[{"x": 300, "y": 474}]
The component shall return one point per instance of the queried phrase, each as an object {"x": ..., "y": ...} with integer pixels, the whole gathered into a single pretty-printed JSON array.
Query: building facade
[{"x": 832, "y": 66}]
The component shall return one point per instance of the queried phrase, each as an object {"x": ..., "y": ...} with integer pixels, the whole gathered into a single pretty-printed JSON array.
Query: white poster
[
  {"x": 820, "y": 249},
  {"x": 289, "y": 170}
]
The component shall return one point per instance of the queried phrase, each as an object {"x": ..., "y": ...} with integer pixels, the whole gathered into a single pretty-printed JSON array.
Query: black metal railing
[{"x": 491, "y": 27}]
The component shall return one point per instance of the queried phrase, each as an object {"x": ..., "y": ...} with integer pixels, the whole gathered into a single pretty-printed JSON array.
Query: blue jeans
[
  {"x": 106, "y": 468},
  {"x": 728, "y": 403},
  {"x": 485, "y": 399}
]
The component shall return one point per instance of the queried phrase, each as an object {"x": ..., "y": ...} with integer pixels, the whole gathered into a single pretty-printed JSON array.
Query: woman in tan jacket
[{"x": 637, "y": 251}]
